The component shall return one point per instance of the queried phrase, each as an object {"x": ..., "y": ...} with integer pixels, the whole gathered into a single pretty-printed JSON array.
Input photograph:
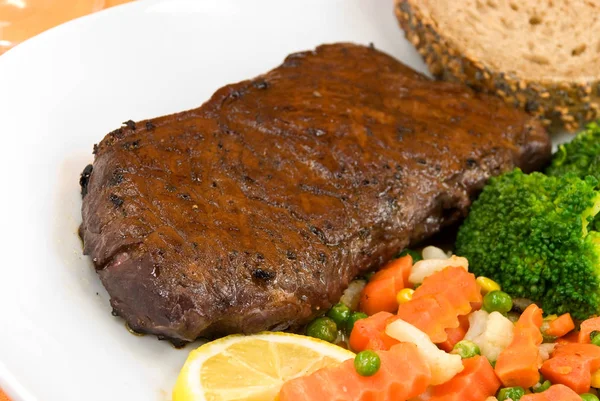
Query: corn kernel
[
  {"x": 487, "y": 285},
  {"x": 404, "y": 295},
  {"x": 596, "y": 379}
]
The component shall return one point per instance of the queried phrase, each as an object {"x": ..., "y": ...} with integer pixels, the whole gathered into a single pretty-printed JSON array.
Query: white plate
[{"x": 60, "y": 93}]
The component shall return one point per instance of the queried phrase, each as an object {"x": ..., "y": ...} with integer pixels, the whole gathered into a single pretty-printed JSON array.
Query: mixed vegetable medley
[
  {"x": 514, "y": 317},
  {"x": 431, "y": 330},
  {"x": 534, "y": 236}
]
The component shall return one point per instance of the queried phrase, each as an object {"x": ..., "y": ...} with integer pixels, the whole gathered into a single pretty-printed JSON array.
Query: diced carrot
[
  {"x": 587, "y": 352},
  {"x": 455, "y": 284},
  {"x": 403, "y": 374},
  {"x": 455, "y": 334},
  {"x": 439, "y": 301},
  {"x": 517, "y": 365},
  {"x": 531, "y": 319},
  {"x": 586, "y": 328},
  {"x": 370, "y": 334},
  {"x": 569, "y": 371},
  {"x": 397, "y": 267},
  {"x": 560, "y": 326},
  {"x": 432, "y": 315},
  {"x": 572, "y": 337},
  {"x": 475, "y": 383},
  {"x": 379, "y": 295},
  {"x": 557, "y": 392},
  {"x": 476, "y": 305},
  {"x": 572, "y": 365}
]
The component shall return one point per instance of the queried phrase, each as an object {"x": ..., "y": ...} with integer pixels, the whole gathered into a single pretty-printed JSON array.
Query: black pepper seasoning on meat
[
  {"x": 131, "y": 145},
  {"x": 116, "y": 200},
  {"x": 261, "y": 274},
  {"x": 261, "y": 85},
  {"x": 130, "y": 124},
  {"x": 116, "y": 178},
  {"x": 317, "y": 231},
  {"x": 471, "y": 163},
  {"x": 85, "y": 178},
  {"x": 118, "y": 133}
]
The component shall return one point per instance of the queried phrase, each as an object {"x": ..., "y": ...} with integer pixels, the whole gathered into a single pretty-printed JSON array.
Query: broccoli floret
[
  {"x": 581, "y": 156},
  {"x": 531, "y": 234}
]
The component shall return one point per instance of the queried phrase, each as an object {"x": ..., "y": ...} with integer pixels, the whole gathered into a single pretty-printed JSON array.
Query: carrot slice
[
  {"x": 432, "y": 315},
  {"x": 379, "y": 295},
  {"x": 403, "y": 374},
  {"x": 561, "y": 325},
  {"x": 370, "y": 334},
  {"x": 456, "y": 285},
  {"x": 557, "y": 392},
  {"x": 438, "y": 302},
  {"x": 586, "y": 328},
  {"x": 398, "y": 268},
  {"x": 587, "y": 352},
  {"x": 517, "y": 365},
  {"x": 475, "y": 383},
  {"x": 455, "y": 334},
  {"x": 572, "y": 337},
  {"x": 573, "y": 365}
]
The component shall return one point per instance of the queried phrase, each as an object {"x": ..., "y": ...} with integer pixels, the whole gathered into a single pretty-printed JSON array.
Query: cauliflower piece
[
  {"x": 492, "y": 332},
  {"x": 443, "y": 366},
  {"x": 491, "y": 399},
  {"x": 426, "y": 267},
  {"x": 351, "y": 296},
  {"x": 545, "y": 351},
  {"x": 433, "y": 252}
]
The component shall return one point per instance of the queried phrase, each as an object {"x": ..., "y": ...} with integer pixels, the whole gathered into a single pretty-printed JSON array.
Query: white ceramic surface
[{"x": 60, "y": 93}]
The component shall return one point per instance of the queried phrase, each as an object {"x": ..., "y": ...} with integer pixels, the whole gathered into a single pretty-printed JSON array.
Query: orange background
[
  {"x": 22, "y": 19},
  {"x": 3, "y": 396}
]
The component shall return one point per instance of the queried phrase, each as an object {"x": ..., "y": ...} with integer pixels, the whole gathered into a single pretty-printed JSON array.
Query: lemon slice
[{"x": 252, "y": 368}]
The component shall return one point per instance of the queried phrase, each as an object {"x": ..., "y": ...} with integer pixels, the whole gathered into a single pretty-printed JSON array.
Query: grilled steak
[{"x": 254, "y": 211}]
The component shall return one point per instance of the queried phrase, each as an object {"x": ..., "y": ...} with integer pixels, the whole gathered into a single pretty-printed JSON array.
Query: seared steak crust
[{"x": 255, "y": 210}]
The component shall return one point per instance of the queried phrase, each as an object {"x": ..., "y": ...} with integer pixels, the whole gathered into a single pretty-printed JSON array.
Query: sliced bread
[{"x": 540, "y": 55}]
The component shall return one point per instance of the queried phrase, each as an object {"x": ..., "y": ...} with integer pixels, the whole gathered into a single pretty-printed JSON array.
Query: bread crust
[{"x": 558, "y": 104}]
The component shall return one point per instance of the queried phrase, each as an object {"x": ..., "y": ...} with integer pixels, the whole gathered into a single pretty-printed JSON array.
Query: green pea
[
  {"x": 367, "y": 363},
  {"x": 588, "y": 397},
  {"x": 416, "y": 256},
  {"x": 340, "y": 314},
  {"x": 323, "y": 328},
  {"x": 541, "y": 386},
  {"x": 466, "y": 349},
  {"x": 595, "y": 337},
  {"x": 497, "y": 301},
  {"x": 352, "y": 319},
  {"x": 514, "y": 393}
]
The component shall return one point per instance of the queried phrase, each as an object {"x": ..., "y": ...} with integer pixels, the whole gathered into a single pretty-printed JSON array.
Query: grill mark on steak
[{"x": 255, "y": 210}]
